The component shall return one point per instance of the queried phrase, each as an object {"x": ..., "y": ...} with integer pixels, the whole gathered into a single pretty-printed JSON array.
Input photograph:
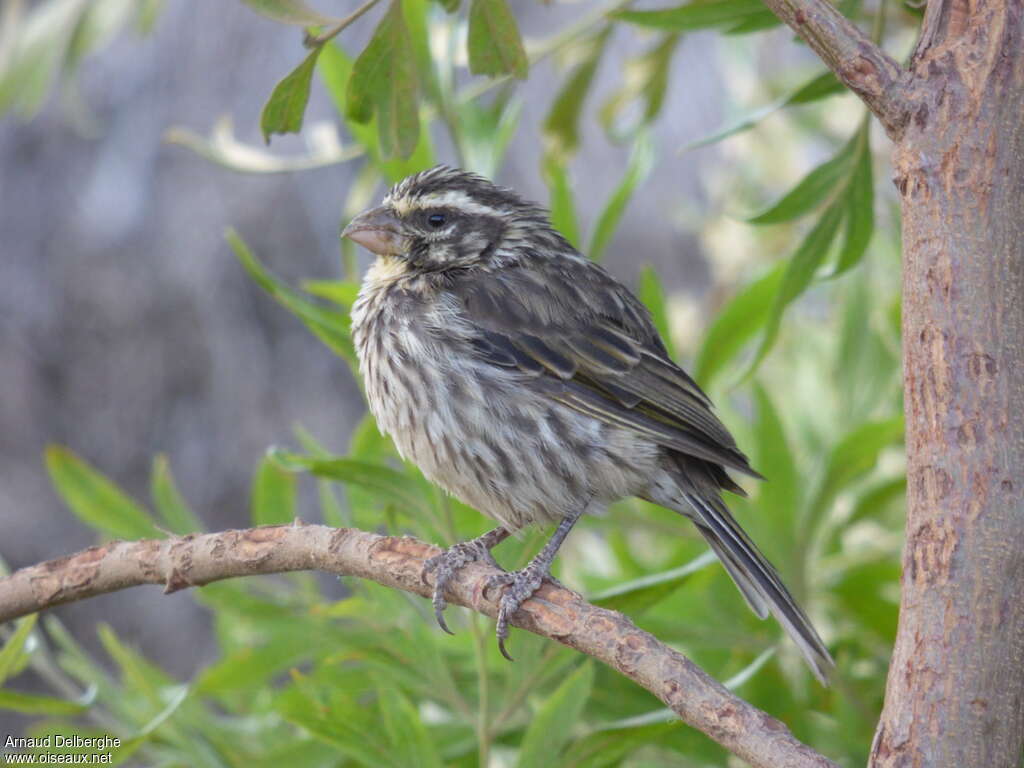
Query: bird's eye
[{"x": 435, "y": 220}]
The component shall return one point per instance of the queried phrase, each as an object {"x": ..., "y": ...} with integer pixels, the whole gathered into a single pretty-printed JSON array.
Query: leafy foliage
[{"x": 801, "y": 355}]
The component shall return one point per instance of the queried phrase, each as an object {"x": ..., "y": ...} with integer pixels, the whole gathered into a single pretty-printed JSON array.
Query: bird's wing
[{"x": 587, "y": 342}]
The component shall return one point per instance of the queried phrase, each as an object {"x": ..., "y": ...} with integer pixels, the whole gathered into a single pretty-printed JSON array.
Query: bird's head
[{"x": 446, "y": 218}]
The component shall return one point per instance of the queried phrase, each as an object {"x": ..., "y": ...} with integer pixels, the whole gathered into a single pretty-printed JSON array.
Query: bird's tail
[{"x": 756, "y": 578}]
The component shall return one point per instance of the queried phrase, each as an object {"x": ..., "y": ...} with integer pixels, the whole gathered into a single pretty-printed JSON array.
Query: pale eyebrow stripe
[{"x": 455, "y": 199}]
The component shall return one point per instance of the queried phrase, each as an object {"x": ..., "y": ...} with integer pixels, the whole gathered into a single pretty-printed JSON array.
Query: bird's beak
[{"x": 377, "y": 230}]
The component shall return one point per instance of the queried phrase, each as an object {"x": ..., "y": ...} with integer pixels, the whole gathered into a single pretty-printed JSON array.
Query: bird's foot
[
  {"x": 445, "y": 565},
  {"x": 521, "y": 587}
]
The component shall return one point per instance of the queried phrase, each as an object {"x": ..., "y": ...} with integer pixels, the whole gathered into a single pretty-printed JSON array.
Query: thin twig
[
  {"x": 857, "y": 61},
  {"x": 554, "y": 612},
  {"x": 315, "y": 41}
]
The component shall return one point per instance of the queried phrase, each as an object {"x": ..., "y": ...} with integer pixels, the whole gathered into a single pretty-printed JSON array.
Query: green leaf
[
  {"x": 13, "y": 655},
  {"x": 652, "y": 294},
  {"x": 335, "y": 68},
  {"x": 735, "y": 325},
  {"x": 779, "y": 497},
  {"x": 818, "y": 88},
  {"x": 495, "y": 47},
  {"x": 854, "y": 456},
  {"x": 168, "y": 501},
  {"x": 551, "y": 727},
  {"x": 386, "y": 482},
  {"x": 286, "y": 106},
  {"x": 273, "y": 495},
  {"x": 341, "y": 724},
  {"x": 562, "y": 205},
  {"x": 410, "y": 742},
  {"x": 561, "y": 127},
  {"x": 290, "y": 12},
  {"x": 859, "y": 198},
  {"x": 877, "y": 498},
  {"x": 810, "y": 191},
  {"x": 95, "y": 500},
  {"x": 799, "y": 272},
  {"x": 824, "y": 85},
  {"x": 37, "y": 53},
  {"x": 97, "y": 28},
  {"x": 328, "y": 325},
  {"x": 487, "y": 131},
  {"x": 341, "y": 292},
  {"x": 695, "y": 15},
  {"x": 137, "y": 673},
  {"x": 384, "y": 84},
  {"x": 636, "y": 596},
  {"x": 756, "y": 22},
  {"x": 32, "y": 704},
  {"x": 640, "y": 163},
  {"x": 645, "y": 80}
]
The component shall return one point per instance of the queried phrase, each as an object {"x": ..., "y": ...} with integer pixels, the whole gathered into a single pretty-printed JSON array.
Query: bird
[{"x": 525, "y": 380}]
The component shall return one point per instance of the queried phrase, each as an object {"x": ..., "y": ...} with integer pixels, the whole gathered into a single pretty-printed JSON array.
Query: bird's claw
[
  {"x": 521, "y": 587},
  {"x": 444, "y": 567}
]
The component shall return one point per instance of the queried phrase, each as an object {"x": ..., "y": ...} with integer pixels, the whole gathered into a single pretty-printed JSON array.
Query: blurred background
[{"x": 128, "y": 329}]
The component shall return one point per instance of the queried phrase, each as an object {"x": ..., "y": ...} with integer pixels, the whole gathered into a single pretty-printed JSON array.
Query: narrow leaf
[
  {"x": 561, "y": 127},
  {"x": 640, "y": 163},
  {"x": 735, "y": 325},
  {"x": 756, "y": 22},
  {"x": 645, "y": 81},
  {"x": 636, "y": 596},
  {"x": 695, "y": 15},
  {"x": 876, "y": 498},
  {"x": 13, "y": 655},
  {"x": 32, "y": 704},
  {"x": 859, "y": 198},
  {"x": 409, "y": 738},
  {"x": 818, "y": 88},
  {"x": 168, "y": 501},
  {"x": 273, "y": 495},
  {"x": 562, "y": 204},
  {"x": 386, "y": 482},
  {"x": 779, "y": 498},
  {"x": 328, "y": 325},
  {"x": 854, "y": 456},
  {"x": 551, "y": 727},
  {"x": 290, "y": 12},
  {"x": 95, "y": 500},
  {"x": 799, "y": 272},
  {"x": 810, "y": 191},
  {"x": 495, "y": 47},
  {"x": 286, "y": 107},
  {"x": 652, "y": 294},
  {"x": 824, "y": 85}
]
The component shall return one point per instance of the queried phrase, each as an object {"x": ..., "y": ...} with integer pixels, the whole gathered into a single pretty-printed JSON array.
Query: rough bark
[
  {"x": 955, "y": 692},
  {"x": 554, "y": 612}
]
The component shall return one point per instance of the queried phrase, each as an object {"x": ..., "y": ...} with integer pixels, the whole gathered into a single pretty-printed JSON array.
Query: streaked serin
[{"x": 525, "y": 380}]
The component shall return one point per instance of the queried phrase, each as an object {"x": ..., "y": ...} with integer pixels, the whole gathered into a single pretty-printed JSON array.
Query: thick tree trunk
[{"x": 955, "y": 693}]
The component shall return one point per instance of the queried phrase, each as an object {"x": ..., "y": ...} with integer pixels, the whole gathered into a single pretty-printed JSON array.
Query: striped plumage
[{"x": 525, "y": 380}]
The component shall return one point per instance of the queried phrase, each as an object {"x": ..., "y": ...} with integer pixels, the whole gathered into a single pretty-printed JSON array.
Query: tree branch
[
  {"x": 861, "y": 65},
  {"x": 195, "y": 560}
]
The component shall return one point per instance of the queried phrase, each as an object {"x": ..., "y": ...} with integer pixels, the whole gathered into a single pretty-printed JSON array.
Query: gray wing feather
[{"x": 591, "y": 345}]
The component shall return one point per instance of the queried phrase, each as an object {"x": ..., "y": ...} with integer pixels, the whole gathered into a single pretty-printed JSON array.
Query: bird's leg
[
  {"x": 522, "y": 584},
  {"x": 448, "y": 563}
]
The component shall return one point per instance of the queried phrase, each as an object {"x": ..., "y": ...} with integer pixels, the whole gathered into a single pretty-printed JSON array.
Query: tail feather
[{"x": 756, "y": 579}]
